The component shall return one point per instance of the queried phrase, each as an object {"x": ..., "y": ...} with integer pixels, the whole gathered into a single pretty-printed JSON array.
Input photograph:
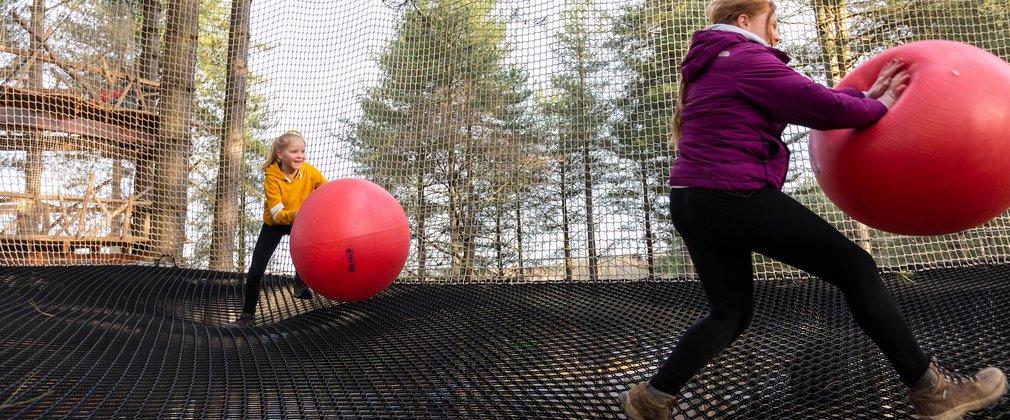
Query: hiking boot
[
  {"x": 944, "y": 395},
  {"x": 644, "y": 402},
  {"x": 246, "y": 320},
  {"x": 301, "y": 290}
]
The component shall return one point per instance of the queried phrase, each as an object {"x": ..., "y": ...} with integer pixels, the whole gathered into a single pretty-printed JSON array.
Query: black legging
[
  {"x": 266, "y": 244},
  {"x": 722, "y": 228}
]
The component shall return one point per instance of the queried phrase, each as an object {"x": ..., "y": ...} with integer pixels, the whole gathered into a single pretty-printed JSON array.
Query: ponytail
[{"x": 675, "y": 131}]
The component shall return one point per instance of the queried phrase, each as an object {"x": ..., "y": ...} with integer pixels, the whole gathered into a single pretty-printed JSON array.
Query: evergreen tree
[
  {"x": 446, "y": 118},
  {"x": 650, "y": 40},
  {"x": 580, "y": 116}
]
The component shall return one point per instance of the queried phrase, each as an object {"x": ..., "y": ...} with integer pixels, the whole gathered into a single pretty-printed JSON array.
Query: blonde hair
[
  {"x": 280, "y": 143},
  {"x": 718, "y": 11}
]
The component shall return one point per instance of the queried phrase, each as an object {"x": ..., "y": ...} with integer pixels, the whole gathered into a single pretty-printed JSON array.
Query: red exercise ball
[
  {"x": 939, "y": 161},
  {"x": 350, "y": 240}
]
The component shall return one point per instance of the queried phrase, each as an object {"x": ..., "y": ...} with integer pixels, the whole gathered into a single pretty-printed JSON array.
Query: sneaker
[
  {"x": 644, "y": 402},
  {"x": 246, "y": 320},
  {"x": 944, "y": 395},
  {"x": 301, "y": 290}
]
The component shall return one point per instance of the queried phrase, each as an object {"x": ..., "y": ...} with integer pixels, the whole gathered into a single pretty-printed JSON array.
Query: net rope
[
  {"x": 150, "y": 342},
  {"x": 527, "y": 142}
]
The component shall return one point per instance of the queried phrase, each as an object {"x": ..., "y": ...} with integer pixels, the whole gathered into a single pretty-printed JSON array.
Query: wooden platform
[
  {"x": 53, "y": 250},
  {"x": 94, "y": 124},
  {"x": 50, "y": 229}
]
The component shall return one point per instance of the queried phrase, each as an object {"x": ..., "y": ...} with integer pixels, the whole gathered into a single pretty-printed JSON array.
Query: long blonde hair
[
  {"x": 278, "y": 144},
  {"x": 718, "y": 11}
]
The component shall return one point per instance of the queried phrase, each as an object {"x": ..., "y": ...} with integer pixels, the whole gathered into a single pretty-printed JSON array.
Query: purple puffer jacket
[{"x": 740, "y": 97}]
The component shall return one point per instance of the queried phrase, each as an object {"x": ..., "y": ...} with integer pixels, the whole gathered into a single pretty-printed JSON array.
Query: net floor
[{"x": 148, "y": 342}]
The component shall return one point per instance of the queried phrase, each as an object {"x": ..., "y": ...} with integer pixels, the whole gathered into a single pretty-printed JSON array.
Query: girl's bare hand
[
  {"x": 885, "y": 78},
  {"x": 894, "y": 89}
]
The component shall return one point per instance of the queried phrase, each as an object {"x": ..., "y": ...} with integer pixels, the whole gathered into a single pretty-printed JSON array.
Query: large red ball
[
  {"x": 350, "y": 240},
  {"x": 939, "y": 161}
]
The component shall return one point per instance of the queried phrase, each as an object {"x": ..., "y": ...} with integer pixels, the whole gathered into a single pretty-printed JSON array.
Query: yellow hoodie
[{"x": 285, "y": 195}]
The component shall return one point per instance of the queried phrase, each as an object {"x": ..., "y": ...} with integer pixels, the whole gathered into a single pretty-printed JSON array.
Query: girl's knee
[
  {"x": 851, "y": 261},
  {"x": 862, "y": 264},
  {"x": 732, "y": 323},
  {"x": 742, "y": 324},
  {"x": 857, "y": 271}
]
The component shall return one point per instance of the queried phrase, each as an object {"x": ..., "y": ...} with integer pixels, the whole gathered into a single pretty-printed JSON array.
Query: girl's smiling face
[{"x": 292, "y": 156}]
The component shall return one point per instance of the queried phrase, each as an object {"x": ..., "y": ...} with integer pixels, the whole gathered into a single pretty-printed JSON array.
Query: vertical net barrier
[{"x": 527, "y": 142}]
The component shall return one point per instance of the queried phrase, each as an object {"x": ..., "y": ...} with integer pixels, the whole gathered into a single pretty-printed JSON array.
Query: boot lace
[{"x": 951, "y": 376}]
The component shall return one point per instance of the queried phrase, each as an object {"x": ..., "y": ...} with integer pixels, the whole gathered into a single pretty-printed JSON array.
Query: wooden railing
[{"x": 72, "y": 223}]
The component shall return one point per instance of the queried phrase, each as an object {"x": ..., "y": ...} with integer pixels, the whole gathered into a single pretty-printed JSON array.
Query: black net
[
  {"x": 527, "y": 142},
  {"x": 150, "y": 342}
]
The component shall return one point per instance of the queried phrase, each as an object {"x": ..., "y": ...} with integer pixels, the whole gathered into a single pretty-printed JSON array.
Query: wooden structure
[
  {"x": 94, "y": 108},
  {"x": 73, "y": 229},
  {"x": 91, "y": 125}
]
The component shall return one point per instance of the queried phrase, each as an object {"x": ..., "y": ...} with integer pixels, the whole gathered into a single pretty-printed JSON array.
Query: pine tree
[{"x": 445, "y": 119}]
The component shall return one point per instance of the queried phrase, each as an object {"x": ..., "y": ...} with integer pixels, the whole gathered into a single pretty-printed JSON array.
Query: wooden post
[{"x": 84, "y": 206}]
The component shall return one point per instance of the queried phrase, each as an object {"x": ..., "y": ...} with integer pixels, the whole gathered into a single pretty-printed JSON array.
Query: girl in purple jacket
[{"x": 737, "y": 95}]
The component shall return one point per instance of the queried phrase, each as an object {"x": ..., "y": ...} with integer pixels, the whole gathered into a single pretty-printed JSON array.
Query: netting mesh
[
  {"x": 527, "y": 141},
  {"x": 147, "y": 342}
]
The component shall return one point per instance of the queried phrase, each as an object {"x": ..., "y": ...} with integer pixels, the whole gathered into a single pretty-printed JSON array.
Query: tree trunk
[
  {"x": 455, "y": 244},
  {"x": 116, "y": 227},
  {"x": 587, "y": 172},
  {"x": 229, "y": 178},
  {"x": 422, "y": 216},
  {"x": 832, "y": 35},
  {"x": 499, "y": 216},
  {"x": 242, "y": 226},
  {"x": 566, "y": 228},
  {"x": 521, "y": 275},
  {"x": 469, "y": 207},
  {"x": 150, "y": 37},
  {"x": 175, "y": 110},
  {"x": 28, "y": 217},
  {"x": 837, "y": 60},
  {"x": 587, "y": 180},
  {"x": 647, "y": 209}
]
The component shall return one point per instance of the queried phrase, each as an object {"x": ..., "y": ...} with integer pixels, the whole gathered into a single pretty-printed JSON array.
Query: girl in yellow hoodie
[{"x": 287, "y": 181}]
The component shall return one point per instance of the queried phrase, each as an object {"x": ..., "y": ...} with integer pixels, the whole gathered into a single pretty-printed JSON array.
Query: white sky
[
  {"x": 323, "y": 60},
  {"x": 319, "y": 62}
]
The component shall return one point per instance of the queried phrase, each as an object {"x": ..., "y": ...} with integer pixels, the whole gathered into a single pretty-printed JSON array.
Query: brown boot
[
  {"x": 644, "y": 402},
  {"x": 246, "y": 320},
  {"x": 944, "y": 395}
]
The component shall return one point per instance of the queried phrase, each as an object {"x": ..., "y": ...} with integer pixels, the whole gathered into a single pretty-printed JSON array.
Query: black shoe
[
  {"x": 246, "y": 320},
  {"x": 302, "y": 291}
]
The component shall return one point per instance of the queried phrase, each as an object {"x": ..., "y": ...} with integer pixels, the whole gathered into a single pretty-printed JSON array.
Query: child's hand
[
  {"x": 885, "y": 78},
  {"x": 897, "y": 85}
]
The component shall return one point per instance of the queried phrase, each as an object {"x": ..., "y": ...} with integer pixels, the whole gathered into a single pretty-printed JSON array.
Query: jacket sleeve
[
  {"x": 789, "y": 97},
  {"x": 275, "y": 206},
  {"x": 853, "y": 92}
]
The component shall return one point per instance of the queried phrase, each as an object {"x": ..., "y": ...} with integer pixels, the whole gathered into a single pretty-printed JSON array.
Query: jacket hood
[
  {"x": 706, "y": 45},
  {"x": 274, "y": 171}
]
